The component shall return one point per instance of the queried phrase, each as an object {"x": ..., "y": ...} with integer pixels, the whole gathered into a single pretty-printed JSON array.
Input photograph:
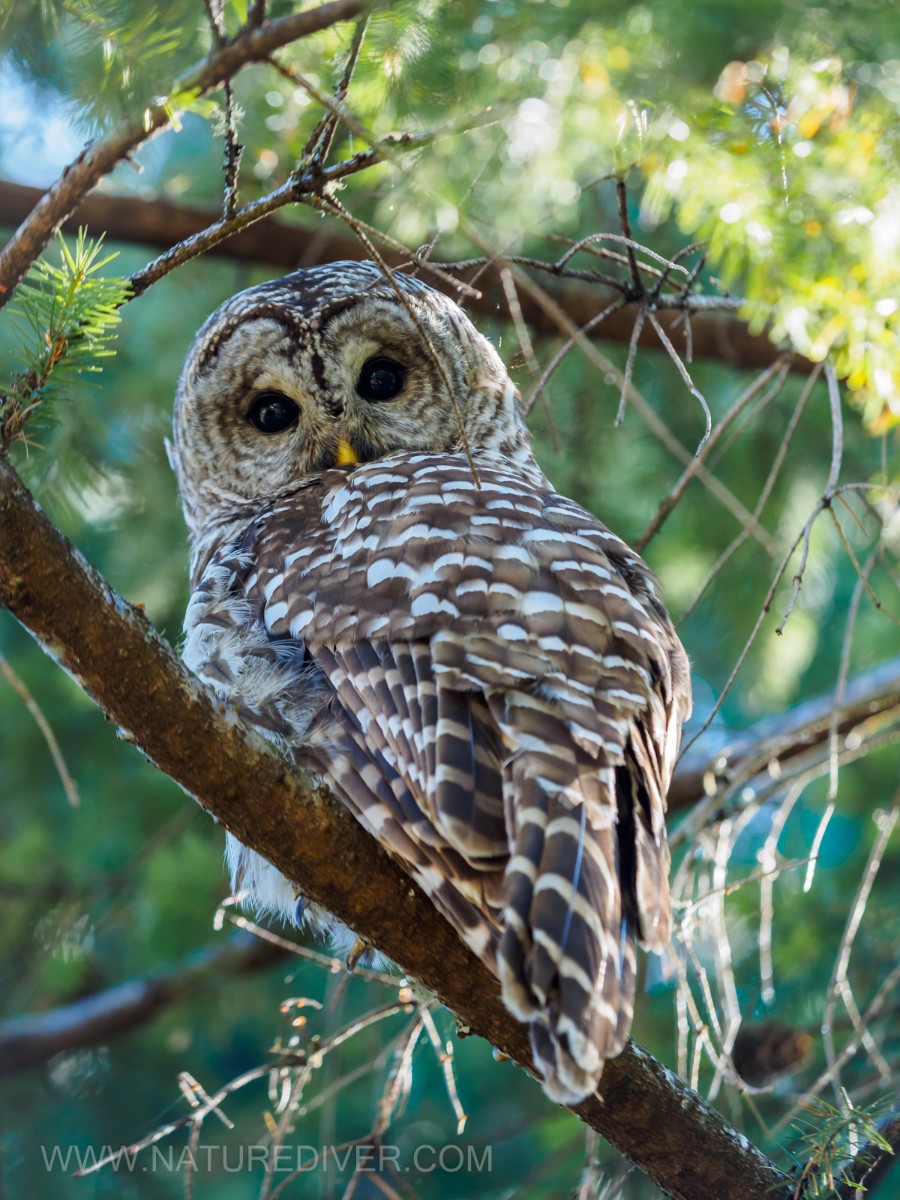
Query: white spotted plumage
[{"x": 477, "y": 667}]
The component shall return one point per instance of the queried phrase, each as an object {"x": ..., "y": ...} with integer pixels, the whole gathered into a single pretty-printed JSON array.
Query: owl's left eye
[
  {"x": 273, "y": 412},
  {"x": 380, "y": 379}
]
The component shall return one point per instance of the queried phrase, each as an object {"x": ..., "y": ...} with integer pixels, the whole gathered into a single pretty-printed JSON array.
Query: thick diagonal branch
[
  {"x": 870, "y": 703},
  {"x": 117, "y": 658}
]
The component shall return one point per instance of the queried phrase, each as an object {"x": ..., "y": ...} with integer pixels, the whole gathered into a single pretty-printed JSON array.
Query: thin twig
[
  {"x": 777, "y": 369},
  {"x": 526, "y": 345},
  {"x": 319, "y": 143},
  {"x": 771, "y": 871},
  {"x": 769, "y": 484},
  {"x": 561, "y": 353},
  {"x": 802, "y": 537},
  {"x": 656, "y": 425},
  {"x": 861, "y": 572},
  {"x": 443, "y": 1052},
  {"x": 18, "y": 685},
  {"x": 833, "y": 747},
  {"x": 625, "y": 389},
  {"x": 837, "y": 450},
  {"x": 839, "y": 976},
  {"x": 164, "y": 1131},
  {"x": 754, "y": 412},
  {"x": 637, "y": 282},
  {"x": 683, "y": 372},
  {"x": 335, "y": 965}
]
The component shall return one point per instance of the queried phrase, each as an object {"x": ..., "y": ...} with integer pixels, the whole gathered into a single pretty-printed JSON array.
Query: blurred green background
[{"x": 788, "y": 166}]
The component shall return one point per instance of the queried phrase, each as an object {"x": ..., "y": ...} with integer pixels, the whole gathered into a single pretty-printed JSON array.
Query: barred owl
[{"x": 385, "y": 583}]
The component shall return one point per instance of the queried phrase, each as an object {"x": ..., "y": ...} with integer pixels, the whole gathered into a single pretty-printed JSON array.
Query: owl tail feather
[{"x": 567, "y": 949}]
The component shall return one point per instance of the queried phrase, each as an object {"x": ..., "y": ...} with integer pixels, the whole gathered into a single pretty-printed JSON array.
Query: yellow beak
[{"x": 344, "y": 455}]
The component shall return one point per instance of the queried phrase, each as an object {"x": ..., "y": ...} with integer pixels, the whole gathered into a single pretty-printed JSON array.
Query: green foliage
[
  {"x": 112, "y": 58},
  {"x": 756, "y": 155},
  {"x": 763, "y": 173},
  {"x": 706, "y": 109},
  {"x": 832, "y": 1136},
  {"x": 66, "y": 316},
  {"x": 748, "y": 128}
]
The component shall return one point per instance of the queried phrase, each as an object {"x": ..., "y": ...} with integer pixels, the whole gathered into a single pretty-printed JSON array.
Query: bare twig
[
  {"x": 769, "y": 484},
  {"x": 443, "y": 1052},
  {"x": 777, "y": 370},
  {"x": 833, "y": 745},
  {"x": 861, "y": 572},
  {"x": 683, "y": 372},
  {"x": 870, "y": 702},
  {"x": 318, "y": 144},
  {"x": 768, "y": 858},
  {"x": 523, "y": 335},
  {"x": 837, "y": 451},
  {"x": 226, "y": 912},
  {"x": 629, "y": 363},
  {"x": 593, "y": 324},
  {"x": 637, "y": 283},
  {"x": 18, "y": 685},
  {"x": 657, "y": 426},
  {"x": 839, "y": 982},
  {"x": 197, "y": 1114},
  {"x": 802, "y": 540}
]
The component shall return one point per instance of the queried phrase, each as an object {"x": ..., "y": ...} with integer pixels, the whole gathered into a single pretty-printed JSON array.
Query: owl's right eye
[{"x": 273, "y": 412}]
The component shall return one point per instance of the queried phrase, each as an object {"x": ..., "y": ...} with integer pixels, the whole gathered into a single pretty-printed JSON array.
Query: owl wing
[{"x": 507, "y": 700}]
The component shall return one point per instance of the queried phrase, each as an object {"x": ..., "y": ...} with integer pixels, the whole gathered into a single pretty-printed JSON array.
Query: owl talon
[{"x": 357, "y": 951}]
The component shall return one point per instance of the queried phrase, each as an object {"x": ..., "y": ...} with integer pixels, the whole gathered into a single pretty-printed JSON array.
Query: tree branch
[
  {"x": 111, "y": 650},
  {"x": 869, "y": 704},
  {"x": 29, "y": 1041},
  {"x": 276, "y": 243},
  {"x": 254, "y": 43}
]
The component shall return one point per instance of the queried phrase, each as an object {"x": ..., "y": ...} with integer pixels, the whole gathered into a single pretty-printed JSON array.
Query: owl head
[{"x": 329, "y": 366}]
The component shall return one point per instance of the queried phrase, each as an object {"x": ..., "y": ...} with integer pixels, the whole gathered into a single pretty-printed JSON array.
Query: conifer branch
[{"x": 254, "y": 43}]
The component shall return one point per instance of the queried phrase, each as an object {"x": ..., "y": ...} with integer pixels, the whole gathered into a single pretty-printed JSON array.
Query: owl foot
[{"x": 360, "y": 952}]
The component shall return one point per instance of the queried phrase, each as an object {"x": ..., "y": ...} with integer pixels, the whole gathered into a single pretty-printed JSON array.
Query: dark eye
[
  {"x": 272, "y": 412},
  {"x": 380, "y": 379}
]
